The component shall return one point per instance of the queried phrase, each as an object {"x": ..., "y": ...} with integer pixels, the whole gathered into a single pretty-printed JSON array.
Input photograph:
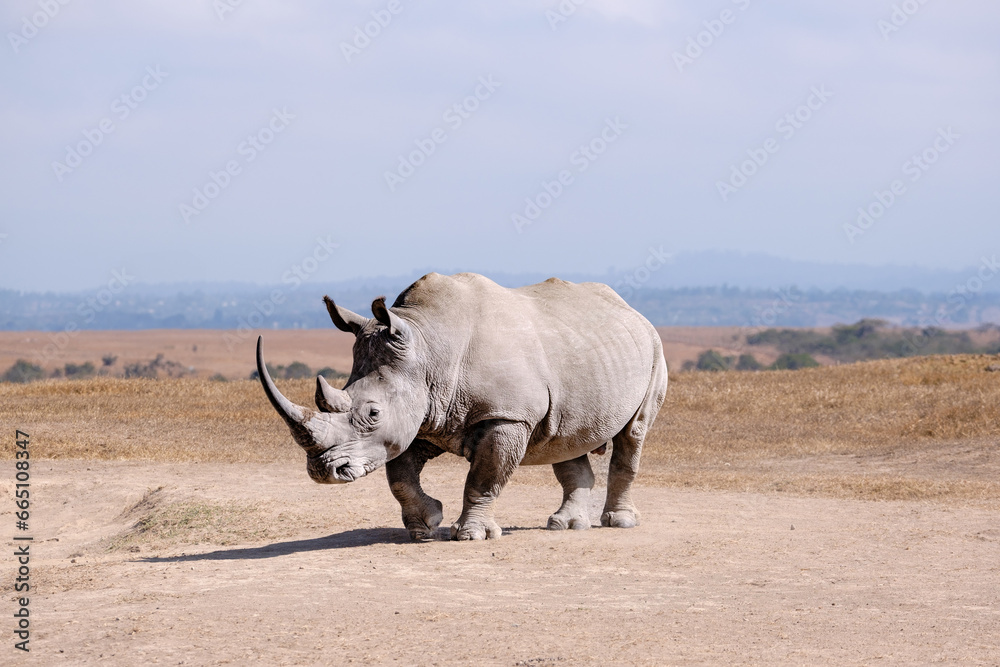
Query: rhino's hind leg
[
  {"x": 577, "y": 480},
  {"x": 421, "y": 513},
  {"x": 495, "y": 447},
  {"x": 619, "y": 512}
]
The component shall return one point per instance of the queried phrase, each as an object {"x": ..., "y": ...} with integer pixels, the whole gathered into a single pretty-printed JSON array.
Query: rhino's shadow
[{"x": 358, "y": 537}]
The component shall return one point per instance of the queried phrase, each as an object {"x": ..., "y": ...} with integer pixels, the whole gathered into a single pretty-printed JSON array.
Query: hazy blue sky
[{"x": 182, "y": 85}]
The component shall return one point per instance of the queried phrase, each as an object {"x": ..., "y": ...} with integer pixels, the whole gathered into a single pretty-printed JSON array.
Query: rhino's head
[{"x": 375, "y": 416}]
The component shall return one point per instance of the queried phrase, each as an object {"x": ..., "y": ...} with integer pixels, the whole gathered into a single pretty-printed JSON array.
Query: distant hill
[
  {"x": 669, "y": 290},
  {"x": 256, "y": 307}
]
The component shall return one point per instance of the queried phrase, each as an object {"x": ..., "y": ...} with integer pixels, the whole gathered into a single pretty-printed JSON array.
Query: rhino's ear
[
  {"x": 396, "y": 326},
  {"x": 344, "y": 319}
]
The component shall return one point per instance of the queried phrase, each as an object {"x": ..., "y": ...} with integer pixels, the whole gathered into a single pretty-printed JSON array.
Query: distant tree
[
  {"x": 748, "y": 362},
  {"x": 219, "y": 377},
  {"x": 794, "y": 361},
  {"x": 843, "y": 333},
  {"x": 23, "y": 371},
  {"x": 109, "y": 360},
  {"x": 79, "y": 371},
  {"x": 297, "y": 371},
  {"x": 158, "y": 365},
  {"x": 273, "y": 371},
  {"x": 140, "y": 370},
  {"x": 331, "y": 374},
  {"x": 710, "y": 360}
]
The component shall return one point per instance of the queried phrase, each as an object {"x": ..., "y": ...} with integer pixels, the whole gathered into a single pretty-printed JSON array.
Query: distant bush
[
  {"x": 141, "y": 370},
  {"x": 747, "y": 362},
  {"x": 870, "y": 339},
  {"x": 219, "y": 377},
  {"x": 23, "y": 371},
  {"x": 152, "y": 369},
  {"x": 793, "y": 362},
  {"x": 109, "y": 360},
  {"x": 271, "y": 370},
  {"x": 297, "y": 371},
  {"x": 710, "y": 360},
  {"x": 867, "y": 328},
  {"x": 79, "y": 371},
  {"x": 331, "y": 374}
]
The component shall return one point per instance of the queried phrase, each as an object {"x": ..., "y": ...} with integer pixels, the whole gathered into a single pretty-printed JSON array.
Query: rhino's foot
[
  {"x": 475, "y": 530},
  {"x": 623, "y": 518},
  {"x": 564, "y": 519},
  {"x": 423, "y": 524}
]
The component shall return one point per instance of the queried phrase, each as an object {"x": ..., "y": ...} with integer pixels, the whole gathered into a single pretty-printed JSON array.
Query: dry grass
[
  {"x": 154, "y": 420},
  {"x": 920, "y": 428},
  {"x": 846, "y": 409},
  {"x": 159, "y": 523}
]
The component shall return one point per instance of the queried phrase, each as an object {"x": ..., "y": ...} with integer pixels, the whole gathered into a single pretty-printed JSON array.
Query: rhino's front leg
[
  {"x": 421, "y": 513},
  {"x": 495, "y": 448}
]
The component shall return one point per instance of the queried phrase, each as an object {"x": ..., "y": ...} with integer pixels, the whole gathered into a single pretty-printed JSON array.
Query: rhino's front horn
[
  {"x": 291, "y": 413},
  {"x": 310, "y": 429}
]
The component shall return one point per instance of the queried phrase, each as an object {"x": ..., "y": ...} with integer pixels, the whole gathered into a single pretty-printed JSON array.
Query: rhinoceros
[{"x": 542, "y": 374}]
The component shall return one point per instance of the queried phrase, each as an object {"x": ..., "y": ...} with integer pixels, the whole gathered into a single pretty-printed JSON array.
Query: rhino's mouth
[
  {"x": 339, "y": 470},
  {"x": 343, "y": 470}
]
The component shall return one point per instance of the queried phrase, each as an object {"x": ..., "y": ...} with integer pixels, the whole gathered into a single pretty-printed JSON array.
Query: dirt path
[{"x": 325, "y": 575}]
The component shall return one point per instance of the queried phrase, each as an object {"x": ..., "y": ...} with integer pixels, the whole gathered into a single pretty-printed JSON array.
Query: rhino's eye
[{"x": 373, "y": 413}]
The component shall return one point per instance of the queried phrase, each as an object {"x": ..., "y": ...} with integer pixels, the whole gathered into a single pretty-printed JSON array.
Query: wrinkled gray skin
[{"x": 543, "y": 374}]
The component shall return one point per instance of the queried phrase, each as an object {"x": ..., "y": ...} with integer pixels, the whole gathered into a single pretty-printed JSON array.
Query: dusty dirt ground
[
  {"x": 215, "y": 563},
  {"x": 839, "y": 515}
]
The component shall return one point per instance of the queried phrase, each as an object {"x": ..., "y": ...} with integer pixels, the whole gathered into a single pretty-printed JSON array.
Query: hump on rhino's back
[
  {"x": 435, "y": 287},
  {"x": 436, "y": 291}
]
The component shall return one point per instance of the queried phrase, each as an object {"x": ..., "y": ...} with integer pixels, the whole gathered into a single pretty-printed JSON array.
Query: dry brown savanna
[
  {"x": 205, "y": 352},
  {"x": 838, "y": 515}
]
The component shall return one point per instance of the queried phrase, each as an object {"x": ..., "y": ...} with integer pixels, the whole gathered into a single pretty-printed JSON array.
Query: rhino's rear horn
[{"x": 329, "y": 399}]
